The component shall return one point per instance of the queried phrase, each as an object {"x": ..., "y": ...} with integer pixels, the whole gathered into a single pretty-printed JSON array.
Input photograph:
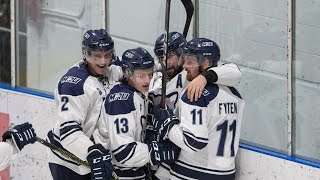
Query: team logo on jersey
[
  {"x": 120, "y": 96},
  {"x": 70, "y": 79},
  {"x": 205, "y": 92}
]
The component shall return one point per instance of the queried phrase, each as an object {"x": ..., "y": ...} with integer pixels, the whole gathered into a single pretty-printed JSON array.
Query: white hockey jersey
[
  {"x": 79, "y": 98},
  {"x": 228, "y": 74},
  {"x": 123, "y": 121},
  {"x": 208, "y": 134}
]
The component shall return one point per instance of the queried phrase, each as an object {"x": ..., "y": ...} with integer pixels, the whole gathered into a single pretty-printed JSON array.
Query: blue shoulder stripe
[
  {"x": 72, "y": 82},
  {"x": 120, "y": 100},
  {"x": 235, "y": 92},
  {"x": 208, "y": 94}
]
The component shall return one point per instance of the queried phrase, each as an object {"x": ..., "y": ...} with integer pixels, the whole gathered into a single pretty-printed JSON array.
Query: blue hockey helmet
[
  {"x": 176, "y": 42},
  {"x": 97, "y": 40},
  {"x": 138, "y": 58},
  {"x": 203, "y": 48}
]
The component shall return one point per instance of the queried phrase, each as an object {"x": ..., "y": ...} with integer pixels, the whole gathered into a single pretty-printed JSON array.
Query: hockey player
[
  {"x": 227, "y": 74},
  {"x": 14, "y": 141},
  {"x": 79, "y": 96},
  {"x": 209, "y": 131},
  {"x": 124, "y": 120}
]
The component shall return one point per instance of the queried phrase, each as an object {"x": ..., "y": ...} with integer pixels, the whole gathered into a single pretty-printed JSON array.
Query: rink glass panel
[
  {"x": 253, "y": 34},
  {"x": 307, "y": 80},
  {"x": 50, "y": 35},
  {"x": 5, "y": 56},
  {"x": 250, "y": 33}
]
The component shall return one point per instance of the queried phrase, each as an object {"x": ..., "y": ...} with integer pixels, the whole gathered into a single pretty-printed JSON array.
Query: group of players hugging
[{"x": 112, "y": 115}]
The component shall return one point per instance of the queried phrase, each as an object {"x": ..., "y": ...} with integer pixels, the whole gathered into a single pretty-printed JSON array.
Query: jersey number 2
[
  {"x": 224, "y": 129},
  {"x": 65, "y": 100}
]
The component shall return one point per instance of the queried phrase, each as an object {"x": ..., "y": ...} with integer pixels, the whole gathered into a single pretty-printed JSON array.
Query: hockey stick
[
  {"x": 69, "y": 155},
  {"x": 164, "y": 62},
  {"x": 188, "y": 5}
]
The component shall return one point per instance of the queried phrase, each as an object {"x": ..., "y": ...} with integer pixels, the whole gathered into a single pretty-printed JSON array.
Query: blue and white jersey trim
[
  {"x": 193, "y": 142},
  {"x": 130, "y": 173},
  {"x": 54, "y": 139},
  {"x": 68, "y": 128},
  {"x": 124, "y": 152},
  {"x": 184, "y": 170}
]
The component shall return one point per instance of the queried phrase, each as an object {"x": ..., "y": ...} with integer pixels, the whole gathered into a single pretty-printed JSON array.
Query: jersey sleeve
[
  {"x": 114, "y": 73},
  {"x": 192, "y": 133},
  {"x": 8, "y": 151},
  {"x": 122, "y": 121},
  {"x": 155, "y": 88},
  {"x": 228, "y": 74},
  {"x": 100, "y": 134},
  {"x": 74, "y": 104}
]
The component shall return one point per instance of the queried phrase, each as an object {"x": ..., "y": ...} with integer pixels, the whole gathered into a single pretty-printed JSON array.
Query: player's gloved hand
[
  {"x": 21, "y": 135},
  {"x": 151, "y": 132},
  {"x": 163, "y": 121},
  {"x": 99, "y": 159},
  {"x": 150, "y": 109},
  {"x": 163, "y": 151}
]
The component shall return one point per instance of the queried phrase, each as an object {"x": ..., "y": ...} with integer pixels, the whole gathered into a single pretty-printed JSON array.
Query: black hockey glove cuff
[
  {"x": 163, "y": 121},
  {"x": 21, "y": 135},
  {"x": 99, "y": 159},
  {"x": 210, "y": 76},
  {"x": 163, "y": 151}
]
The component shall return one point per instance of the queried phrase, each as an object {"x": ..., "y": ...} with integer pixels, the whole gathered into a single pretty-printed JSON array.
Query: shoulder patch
[
  {"x": 235, "y": 92},
  {"x": 72, "y": 82},
  {"x": 208, "y": 94},
  {"x": 120, "y": 100}
]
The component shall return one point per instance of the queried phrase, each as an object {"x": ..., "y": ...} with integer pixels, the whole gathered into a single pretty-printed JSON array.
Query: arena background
[{"x": 274, "y": 42}]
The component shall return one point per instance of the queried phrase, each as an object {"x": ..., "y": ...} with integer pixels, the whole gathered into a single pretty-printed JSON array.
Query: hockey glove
[
  {"x": 150, "y": 110},
  {"x": 163, "y": 121},
  {"x": 151, "y": 134},
  {"x": 21, "y": 135},
  {"x": 163, "y": 151},
  {"x": 99, "y": 159}
]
